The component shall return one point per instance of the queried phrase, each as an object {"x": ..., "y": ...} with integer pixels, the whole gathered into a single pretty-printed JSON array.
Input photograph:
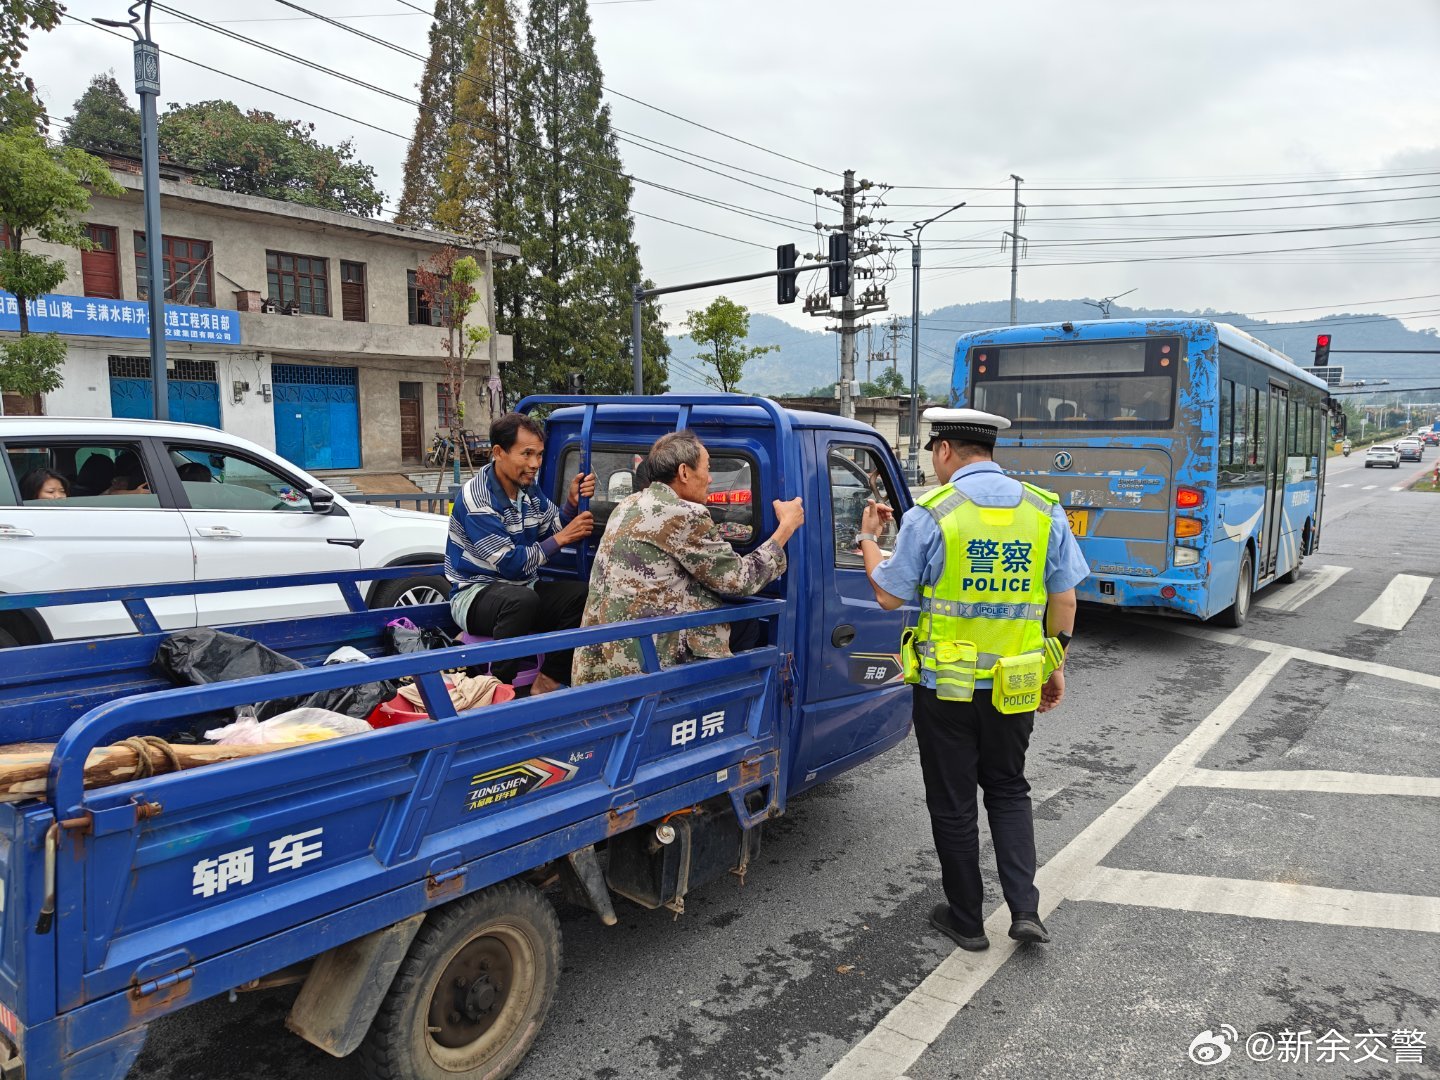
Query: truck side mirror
[{"x": 322, "y": 500}]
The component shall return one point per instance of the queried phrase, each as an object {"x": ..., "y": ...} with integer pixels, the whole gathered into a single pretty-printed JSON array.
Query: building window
[
  {"x": 301, "y": 280},
  {"x": 5, "y": 244},
  {"x": 188, "y": 270},
  {"x": 444, "y": 410},
  {"x": 352, "y": 292},
  {"x": 425, "y": 310}
]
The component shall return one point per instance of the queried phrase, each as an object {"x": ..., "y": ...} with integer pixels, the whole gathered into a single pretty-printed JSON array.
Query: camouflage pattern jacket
[{"x": 662, "y": 555}]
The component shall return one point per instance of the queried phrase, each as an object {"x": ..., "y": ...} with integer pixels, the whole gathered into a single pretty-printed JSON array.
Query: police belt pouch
[
  {"x": 1017, "y": 683},
  {"x": 909, "y": 656},
  {"x": 955, "y": 670}
]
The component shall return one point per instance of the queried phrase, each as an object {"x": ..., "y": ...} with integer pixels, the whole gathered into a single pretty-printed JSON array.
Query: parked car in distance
[
  {"x": 1382, "y": 454},
  {"x": 150, "y": 501},
  {"x": 1411, "y": 448}
]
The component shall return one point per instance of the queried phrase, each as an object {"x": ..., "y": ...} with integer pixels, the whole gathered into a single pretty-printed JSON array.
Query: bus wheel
[
  {"x": 1291, "y": 576},
  {"x": 473, "y": 991},
  {"x": 1238, "y": 612}
]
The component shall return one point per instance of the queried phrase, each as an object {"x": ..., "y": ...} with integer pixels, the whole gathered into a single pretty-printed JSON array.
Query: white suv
[{"x": 147, "y": 501}]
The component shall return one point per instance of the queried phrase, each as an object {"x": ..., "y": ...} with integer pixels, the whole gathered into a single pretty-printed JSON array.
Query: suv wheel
[{"x": 410, "y": 591}]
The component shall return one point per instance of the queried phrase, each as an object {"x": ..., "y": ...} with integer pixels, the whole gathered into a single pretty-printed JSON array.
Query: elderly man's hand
[{"x": 581, "y": 485}]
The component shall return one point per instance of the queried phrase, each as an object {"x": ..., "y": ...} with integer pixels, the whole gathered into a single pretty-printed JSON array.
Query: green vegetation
[
  {"x": 722, "y": 327},
  {"x": 44, "y": 193}
]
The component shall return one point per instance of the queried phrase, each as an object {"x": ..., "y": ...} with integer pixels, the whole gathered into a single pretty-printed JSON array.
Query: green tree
[
  {"x": 451, "y": 35},
  {"x": 567, "y": 299},
  {"x": 448, "y": 280},
  {"x": 721, "y": 328},
  {"x": 259, "y": 153},
  {"x": 891, "y": 384},
  {"x": 476, "y": 194},
  {"x": 44, "y": 193},
  {"x": 104, "y": 119},
  {"x": 20, "y": 105}
]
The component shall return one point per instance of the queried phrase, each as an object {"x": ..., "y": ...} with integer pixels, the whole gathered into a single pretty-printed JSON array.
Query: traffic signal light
[
  {"x": 576, "y": 381},
  {"x": 787, "y": 286},
  {"x": 839, "y": 274},
  {"x": 1322, "y": 350}
]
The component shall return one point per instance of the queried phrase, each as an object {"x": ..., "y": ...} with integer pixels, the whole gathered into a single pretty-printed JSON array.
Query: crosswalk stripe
[
  {"x": 1369, "y": 487},
  {"x": 1261, "y": 899},
  {"x": 1290, "y": 597},
  {"x": 1347, "y": 485},
  {"x": 1393, "y": 608}
]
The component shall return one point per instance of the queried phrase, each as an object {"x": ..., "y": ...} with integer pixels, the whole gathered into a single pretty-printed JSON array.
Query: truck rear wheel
[{"x": 473, "y": 990}]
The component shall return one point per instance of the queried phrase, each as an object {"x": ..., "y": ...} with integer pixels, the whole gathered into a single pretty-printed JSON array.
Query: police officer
[{"x": 994, "y": 566}]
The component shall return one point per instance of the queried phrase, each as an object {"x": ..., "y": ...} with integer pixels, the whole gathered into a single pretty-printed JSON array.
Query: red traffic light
[
  {"x": 1322, "y": 350},
  {"x": 1322, "y": 339}
]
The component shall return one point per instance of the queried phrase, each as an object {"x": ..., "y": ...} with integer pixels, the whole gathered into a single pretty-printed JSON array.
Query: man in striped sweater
[{"x": 502, "y": 530}]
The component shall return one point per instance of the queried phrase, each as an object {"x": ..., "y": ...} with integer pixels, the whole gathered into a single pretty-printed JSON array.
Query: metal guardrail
[{"x": 430, "y": 502}]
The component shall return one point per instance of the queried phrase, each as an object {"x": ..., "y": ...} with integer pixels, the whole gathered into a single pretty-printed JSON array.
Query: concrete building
[{"x": 300, "y": 329}]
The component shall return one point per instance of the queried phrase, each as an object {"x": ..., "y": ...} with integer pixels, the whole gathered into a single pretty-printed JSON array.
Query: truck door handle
[
  {"x": 843, "y": 635},
  {"x": 219, "y": 532},
  {"x": 12, "y": 532}
]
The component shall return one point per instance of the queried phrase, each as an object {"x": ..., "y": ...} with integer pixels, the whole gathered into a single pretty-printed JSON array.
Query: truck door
[{"x": 855, "y": 696}]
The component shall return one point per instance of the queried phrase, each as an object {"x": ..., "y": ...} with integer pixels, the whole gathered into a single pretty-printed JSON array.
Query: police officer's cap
[{"x": 966, "y": 425}]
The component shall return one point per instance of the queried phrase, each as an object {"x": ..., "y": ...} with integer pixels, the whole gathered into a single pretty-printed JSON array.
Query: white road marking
[
  {"x": 1398, "y": 487},
  {"x": 1347, "y": 485},
  {"x": 1289, "y": 598},
  {"x": 1369, "y": 487},
  {"x": 907, "y": 1031},
  {"x": 1397, "y": 603},
  {"x": 1322, "y": 780},
  {"x": 1261, "y": 899}
]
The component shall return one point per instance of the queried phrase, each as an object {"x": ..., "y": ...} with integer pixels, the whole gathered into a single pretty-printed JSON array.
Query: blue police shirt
[{"x": 919, "y": 555}]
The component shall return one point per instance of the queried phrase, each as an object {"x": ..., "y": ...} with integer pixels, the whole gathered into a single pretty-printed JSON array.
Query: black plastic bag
[
  {"x": 202, "y": 655},
  {"x": 406, "y": 637}
]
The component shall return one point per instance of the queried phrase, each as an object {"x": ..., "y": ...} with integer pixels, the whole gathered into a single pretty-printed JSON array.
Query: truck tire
[
  {"x": 1238, "y": 612},
  {"x": 472, "y": 992},
  {"x": 7, "y": 639},
  {"x": 423, "y": 588}
]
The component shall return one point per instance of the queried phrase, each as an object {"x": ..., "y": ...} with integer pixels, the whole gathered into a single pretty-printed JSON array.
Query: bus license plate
[{"x": 1079, "y": 521}]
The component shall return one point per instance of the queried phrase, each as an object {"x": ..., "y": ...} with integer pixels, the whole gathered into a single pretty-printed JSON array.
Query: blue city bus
[{"x": 1189, "y": 456}]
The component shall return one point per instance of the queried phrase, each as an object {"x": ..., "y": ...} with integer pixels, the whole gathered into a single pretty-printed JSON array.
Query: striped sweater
[{"x": 494, "y": 539}]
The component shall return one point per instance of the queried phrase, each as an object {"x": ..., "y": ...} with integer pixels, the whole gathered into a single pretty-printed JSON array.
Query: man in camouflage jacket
[{"x": 662, "y": 554}]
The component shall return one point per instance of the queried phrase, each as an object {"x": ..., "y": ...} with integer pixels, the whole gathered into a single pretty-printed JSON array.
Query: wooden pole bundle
[{"x": 24, "y": 767}]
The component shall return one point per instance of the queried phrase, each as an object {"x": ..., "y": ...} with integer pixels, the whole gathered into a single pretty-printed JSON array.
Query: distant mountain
[{"x": 809, "y": 358}]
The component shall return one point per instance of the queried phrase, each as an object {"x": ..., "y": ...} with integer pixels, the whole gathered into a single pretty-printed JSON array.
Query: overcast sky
[{"x": 1129, "y": 108}]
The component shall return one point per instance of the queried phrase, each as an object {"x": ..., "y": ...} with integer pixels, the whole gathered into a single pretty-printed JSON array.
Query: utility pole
[
  {"x": 872, "y": 298},
  {"x": 895, "y": 343},
  {"x": 147, "y": 86},
  {"x": 847, "y": 308},
  {"x": 1015, "y": 241}
]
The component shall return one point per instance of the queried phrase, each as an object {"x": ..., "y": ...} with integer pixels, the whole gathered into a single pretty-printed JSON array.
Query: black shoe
[
  {"x": 944, "y": 921},
  {"x": 1026, "y": 926}
]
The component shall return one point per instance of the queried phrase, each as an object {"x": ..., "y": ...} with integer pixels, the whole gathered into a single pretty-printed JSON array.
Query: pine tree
[
  {"x": 450, "y": 35},
  {"x": 104, "y": 119},
  {"x": 476, "y": 190},
  {"x": 568, "y": 298}
]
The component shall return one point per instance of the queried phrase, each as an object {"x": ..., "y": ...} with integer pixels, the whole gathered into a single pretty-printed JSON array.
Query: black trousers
[
  {"x": 510, "y": 611},
  {"x": 964, "y": 744}
]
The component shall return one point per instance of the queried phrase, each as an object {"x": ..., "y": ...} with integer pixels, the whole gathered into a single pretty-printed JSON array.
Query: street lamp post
[
  {"x": 147, "y": 86},
  {"x": 912, "y": 464}
]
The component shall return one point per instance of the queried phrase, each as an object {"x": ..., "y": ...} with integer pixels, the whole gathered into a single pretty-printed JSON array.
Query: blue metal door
[
  {"x": 317, "y": 416},
  {"x": 190, "y": 402}
]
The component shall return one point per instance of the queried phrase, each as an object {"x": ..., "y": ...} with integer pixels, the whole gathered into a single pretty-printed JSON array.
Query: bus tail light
[
  {"x": 1187, "y": 498},
  {"x": 1185, "y": 527},
  {"x": 1168, "y": 592},
  {"x": 1186, "y": 556}
]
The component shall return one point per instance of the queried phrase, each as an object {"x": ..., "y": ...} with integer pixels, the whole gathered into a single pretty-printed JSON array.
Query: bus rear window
[{"x": 1087, "y": 385}]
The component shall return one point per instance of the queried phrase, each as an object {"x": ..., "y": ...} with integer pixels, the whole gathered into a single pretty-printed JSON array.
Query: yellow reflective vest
[{"x": 985, "y": 617}]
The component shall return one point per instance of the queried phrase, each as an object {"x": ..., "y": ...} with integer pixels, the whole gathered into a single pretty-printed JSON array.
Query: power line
[
  {"x": 1186, "y": 187},
  {"x": 355, "y": 81},
  {"x": 169, "y": 55},
  {"x": 667, "y": 112},
  {"x": 621, "y": 134},
  {"x": 1175, "y": 202},
  {"x": 1091, "y": 240}
]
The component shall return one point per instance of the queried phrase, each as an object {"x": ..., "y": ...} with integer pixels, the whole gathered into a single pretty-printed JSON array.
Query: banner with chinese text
[{"x": 89, "y": 316}]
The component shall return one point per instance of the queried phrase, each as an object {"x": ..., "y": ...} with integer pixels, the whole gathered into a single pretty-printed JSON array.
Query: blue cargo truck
[{"x": 399, "y": 876}]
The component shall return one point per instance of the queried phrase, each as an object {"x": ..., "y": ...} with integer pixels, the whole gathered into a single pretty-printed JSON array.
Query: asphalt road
[{"x": 1240, "y": 832}]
